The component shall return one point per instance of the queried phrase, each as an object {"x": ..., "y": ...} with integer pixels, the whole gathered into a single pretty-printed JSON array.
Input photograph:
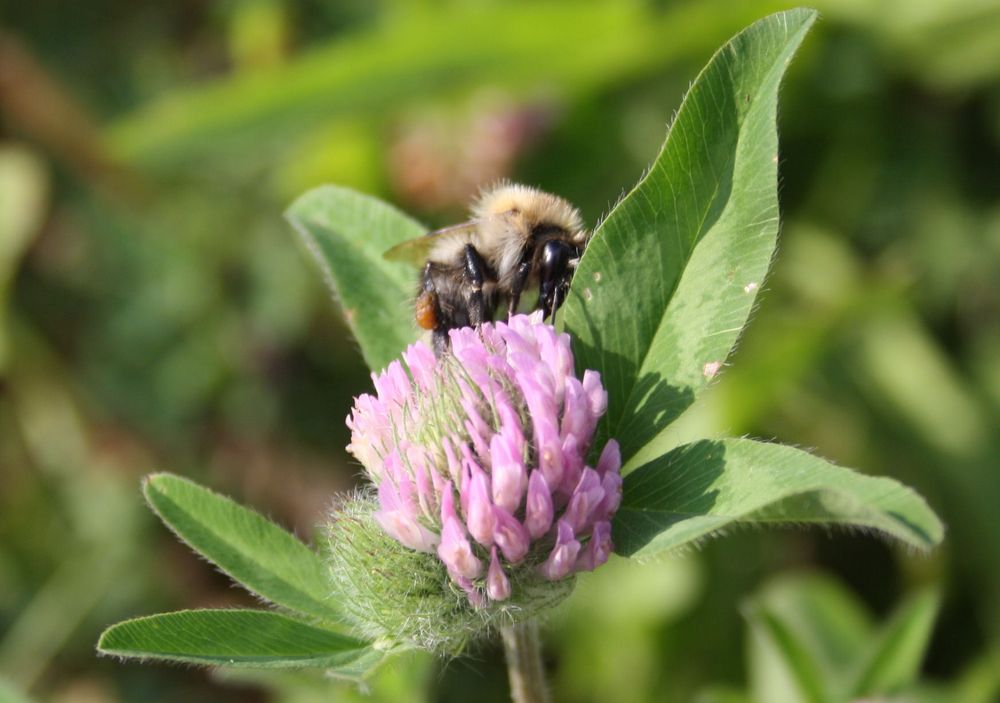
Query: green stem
[{"x": 523, "y": 648}]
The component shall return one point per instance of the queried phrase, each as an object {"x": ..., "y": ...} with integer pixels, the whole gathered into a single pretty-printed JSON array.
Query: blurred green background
[{"x": 157, "y": 313}]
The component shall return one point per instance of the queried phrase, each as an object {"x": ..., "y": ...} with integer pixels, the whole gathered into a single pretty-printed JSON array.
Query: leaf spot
[
  {"x": 711, "y": 368},
  {"x": 597, "y": 276},
  {"x": 587, "y": 295}
]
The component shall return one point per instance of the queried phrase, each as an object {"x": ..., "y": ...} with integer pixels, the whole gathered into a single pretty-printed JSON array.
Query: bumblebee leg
[
  {"x": 557, "y": 300},
  {"x": 517, "y": 285},
  {"x": 428, "y": 312},
  {"x": 439, "y": 339},
  {"x": 475, "y": 272},
  {"x": 555, "y": 307}
]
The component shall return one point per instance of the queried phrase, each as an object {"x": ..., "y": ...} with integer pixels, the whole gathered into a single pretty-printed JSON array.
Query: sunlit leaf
[
  {"x": 670, "y": 277},
  {"x": 348, "y": 232},
  {"x": 254, "y": 551},
  {"x": 806, "y": 634},
  {"x": 9, "y": 694},
  {"x": 723, "y": 695},
  {"x": 893, "y": 659},
  {"x": 811, "y": 641},
  {"x": 434, "y": 54},
  {"x": 824, "y": 616},
  {"x": 23, "y": 192},
  {"x": 705, "y": 487},
  {"x": 782, "y": 669},
  {"x": 239, "y": 638}
]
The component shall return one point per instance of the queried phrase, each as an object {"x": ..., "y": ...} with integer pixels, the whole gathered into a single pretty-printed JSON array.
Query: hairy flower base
[{"x": 399, "y": 596}]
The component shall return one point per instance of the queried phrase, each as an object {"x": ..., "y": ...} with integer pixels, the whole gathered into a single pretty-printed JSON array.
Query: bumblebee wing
[{"x": 415, "y": 251}]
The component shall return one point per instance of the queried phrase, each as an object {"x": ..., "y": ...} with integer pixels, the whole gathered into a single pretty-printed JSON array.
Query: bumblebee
[{"x": 518, "y": 239}]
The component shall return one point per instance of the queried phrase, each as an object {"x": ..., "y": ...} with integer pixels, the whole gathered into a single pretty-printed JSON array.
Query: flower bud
[
  {"x": 454, "y": 549},
  {"x": 562, "y": 559},
  {"x": 497, "y": 583},
  {"x": 538, "y": 510}
]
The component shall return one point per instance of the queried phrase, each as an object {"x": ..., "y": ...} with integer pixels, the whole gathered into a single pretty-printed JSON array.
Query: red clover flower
[{"x": 480, "y": 457}]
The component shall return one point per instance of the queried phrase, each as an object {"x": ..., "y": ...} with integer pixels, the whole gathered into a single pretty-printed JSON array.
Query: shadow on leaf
[{"x": 657, "y": 484}]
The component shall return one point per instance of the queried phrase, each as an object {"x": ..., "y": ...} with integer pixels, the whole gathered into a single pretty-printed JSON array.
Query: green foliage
[
  {"x": 669, "y": 278},
  {"x": 632, "y": 605},
  {"x": 892, "y": 660},
  {"x": 723, "y": 696},
  {"x": 238, "y": 638},
  {"x": 347, "y": 233},
  {"x": 269, "y": 562},
  {"x": 707, "y": 487},
  {"x": 8, "y": 694},
  {"x": 160, "y": 316},
  {"x": 810, "y": 641},
  {"x": 254, "y": 551},
  {"x": 403, "y": 682},
  {"x": 434, "y": 53},
  {"x": 22, "y": 199}
]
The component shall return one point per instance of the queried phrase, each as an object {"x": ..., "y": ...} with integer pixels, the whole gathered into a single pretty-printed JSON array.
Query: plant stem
[{"x": 523, "y": 648}]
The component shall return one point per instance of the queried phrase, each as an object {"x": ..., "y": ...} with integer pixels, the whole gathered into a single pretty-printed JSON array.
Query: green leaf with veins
[
  {"x": 252, "y": 550},
  {"x": 347, "y": 233},
  {"x": 238, "y": 638},
  {"x": 702, "y": 488},
  {"x": 670, "y": 276}
]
